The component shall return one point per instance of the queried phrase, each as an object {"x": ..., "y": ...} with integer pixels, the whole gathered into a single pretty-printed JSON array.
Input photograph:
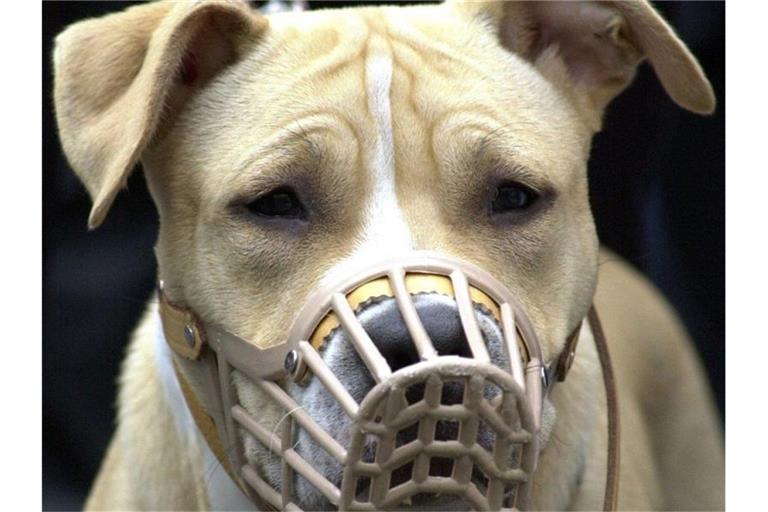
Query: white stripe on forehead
[
  {"x": 385, "y": 232},
  {"x": 385, "y": 223}
]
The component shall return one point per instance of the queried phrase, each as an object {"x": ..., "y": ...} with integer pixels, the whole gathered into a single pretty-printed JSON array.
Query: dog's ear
[
  {"x": 592, "y": 49},
  {"x": 119, "y": 78}
]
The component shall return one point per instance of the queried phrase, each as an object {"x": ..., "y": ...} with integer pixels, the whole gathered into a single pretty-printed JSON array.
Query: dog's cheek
[
  {"x": 323, "y": 408},
  {"x": 265, "y": 411},
  {"x": 320, "y": 404}
]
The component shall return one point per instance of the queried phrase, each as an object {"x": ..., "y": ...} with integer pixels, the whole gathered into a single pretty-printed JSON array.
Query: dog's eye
[
  {"x": 512, "y": 197},
  {"x": 281, "y": 202}
]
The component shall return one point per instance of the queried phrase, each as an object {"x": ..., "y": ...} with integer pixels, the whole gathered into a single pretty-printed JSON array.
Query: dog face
[{"x": 283, "y": 151}]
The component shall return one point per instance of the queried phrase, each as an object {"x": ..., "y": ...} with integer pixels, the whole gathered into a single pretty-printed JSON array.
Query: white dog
[{"x": 284, "y": 150}]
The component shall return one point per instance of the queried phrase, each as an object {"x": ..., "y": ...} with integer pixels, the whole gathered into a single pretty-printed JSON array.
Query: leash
[{"x": 611, "y": 498}]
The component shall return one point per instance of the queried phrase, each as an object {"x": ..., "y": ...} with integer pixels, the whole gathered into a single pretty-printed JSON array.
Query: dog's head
[{"x": 281, "y": 150}]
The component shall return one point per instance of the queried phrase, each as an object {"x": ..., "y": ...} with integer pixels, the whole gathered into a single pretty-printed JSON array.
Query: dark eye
[
  {"x": 281, "y": 202},
  {"x": 512, "y": 197}
]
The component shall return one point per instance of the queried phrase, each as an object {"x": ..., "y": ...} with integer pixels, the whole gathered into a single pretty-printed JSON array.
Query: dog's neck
[{"x": 222, "y": 492}]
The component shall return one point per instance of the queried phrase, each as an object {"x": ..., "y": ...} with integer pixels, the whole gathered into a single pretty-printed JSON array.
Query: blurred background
[{"x": 657, "y": 179}]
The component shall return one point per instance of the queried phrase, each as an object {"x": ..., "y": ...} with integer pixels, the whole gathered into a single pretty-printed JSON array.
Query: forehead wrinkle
[
  {"x": 298, "y": 133},
  {"x": 496, "y": 151},
  {"x": 499, "y": 146},
  {"x": 520, "y": 140},
  {"x": 411, "y": 36},
  {"x": 349, "y": 32}
]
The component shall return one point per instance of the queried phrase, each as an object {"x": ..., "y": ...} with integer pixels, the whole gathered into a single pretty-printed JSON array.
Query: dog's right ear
[{"x": 119, "y": 77}]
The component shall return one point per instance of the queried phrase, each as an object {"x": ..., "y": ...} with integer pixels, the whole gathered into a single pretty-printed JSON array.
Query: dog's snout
[{"x": 439, "y": 316}]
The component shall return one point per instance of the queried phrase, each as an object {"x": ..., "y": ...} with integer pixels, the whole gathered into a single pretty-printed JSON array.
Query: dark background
[{"x": 657, "y": 177}]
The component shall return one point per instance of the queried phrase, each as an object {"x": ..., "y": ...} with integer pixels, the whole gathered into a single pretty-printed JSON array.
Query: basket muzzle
[{"x": 402, "y": 441}]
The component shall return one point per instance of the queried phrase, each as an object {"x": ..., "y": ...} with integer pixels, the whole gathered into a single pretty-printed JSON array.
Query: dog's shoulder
[
  {"x": 626, "y": 298},
  {"x": 648, "y": 341},
  {"x": 644, "y": 331}
]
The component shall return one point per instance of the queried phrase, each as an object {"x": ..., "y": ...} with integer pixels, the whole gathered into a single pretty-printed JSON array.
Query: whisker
[{"x": 274, "y": 430}]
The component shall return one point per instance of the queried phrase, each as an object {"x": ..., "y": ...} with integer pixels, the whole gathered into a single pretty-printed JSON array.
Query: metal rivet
[
  {"x": 571, "y": 357},
  {"x": 291, "y": 361},
  {"x": 189, "y": 335}
]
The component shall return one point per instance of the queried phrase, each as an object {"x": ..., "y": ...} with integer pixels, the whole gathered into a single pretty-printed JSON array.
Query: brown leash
[{"x": 611, "y": 499}]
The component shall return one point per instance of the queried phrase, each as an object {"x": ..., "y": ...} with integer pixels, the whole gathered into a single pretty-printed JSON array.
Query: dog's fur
[{"x": 394, "y": 125}]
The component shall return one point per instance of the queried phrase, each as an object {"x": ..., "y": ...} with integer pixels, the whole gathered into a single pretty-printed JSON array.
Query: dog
[{"x": 283, "y": 150}]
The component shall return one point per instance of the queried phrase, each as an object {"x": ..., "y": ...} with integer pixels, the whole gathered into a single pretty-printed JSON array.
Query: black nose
[{"x": 439, "y": 315}]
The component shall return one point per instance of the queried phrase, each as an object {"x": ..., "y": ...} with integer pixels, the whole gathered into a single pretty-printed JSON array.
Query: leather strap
[
  {"x": 182, "y": 329},
  {"x": 611, "y": 498},
  {"x": 205, "y": 423}
]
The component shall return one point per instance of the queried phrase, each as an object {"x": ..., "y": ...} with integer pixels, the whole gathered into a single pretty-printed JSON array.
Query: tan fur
[
  {"x": 284, "y": 99},
  {"x": 661, "y": 374}
]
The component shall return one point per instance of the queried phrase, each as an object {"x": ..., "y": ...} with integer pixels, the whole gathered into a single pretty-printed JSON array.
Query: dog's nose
[{"x": 439, "y": 315}]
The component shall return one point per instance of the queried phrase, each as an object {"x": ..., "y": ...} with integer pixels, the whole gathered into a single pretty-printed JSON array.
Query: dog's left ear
[
  {"x": 120, "y": 78},
  {"x": 592, "y": 49}
]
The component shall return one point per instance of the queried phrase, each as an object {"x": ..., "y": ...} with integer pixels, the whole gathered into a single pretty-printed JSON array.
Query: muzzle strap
[
  {"x": 181, "y": 327},
  {"x": 204, "y": 423}
]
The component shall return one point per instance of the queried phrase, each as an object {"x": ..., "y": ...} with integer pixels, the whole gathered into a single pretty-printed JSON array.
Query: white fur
[
  {"x": 173, "y": 395},
  {"x": 223, "y": 493},
  {"x": 386, "y": 226}
]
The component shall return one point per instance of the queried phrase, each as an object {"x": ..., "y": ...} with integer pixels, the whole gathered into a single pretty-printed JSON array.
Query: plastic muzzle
[{"x": 381, "y": 468}]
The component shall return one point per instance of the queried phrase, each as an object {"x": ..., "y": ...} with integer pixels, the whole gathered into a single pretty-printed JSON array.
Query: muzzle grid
[{"x": 385, "y": 414}]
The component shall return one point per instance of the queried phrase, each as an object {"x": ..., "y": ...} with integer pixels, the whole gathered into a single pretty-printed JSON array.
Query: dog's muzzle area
[
  {"x": 412, "y": 384},
  {"x": 381, "y": 319}
]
